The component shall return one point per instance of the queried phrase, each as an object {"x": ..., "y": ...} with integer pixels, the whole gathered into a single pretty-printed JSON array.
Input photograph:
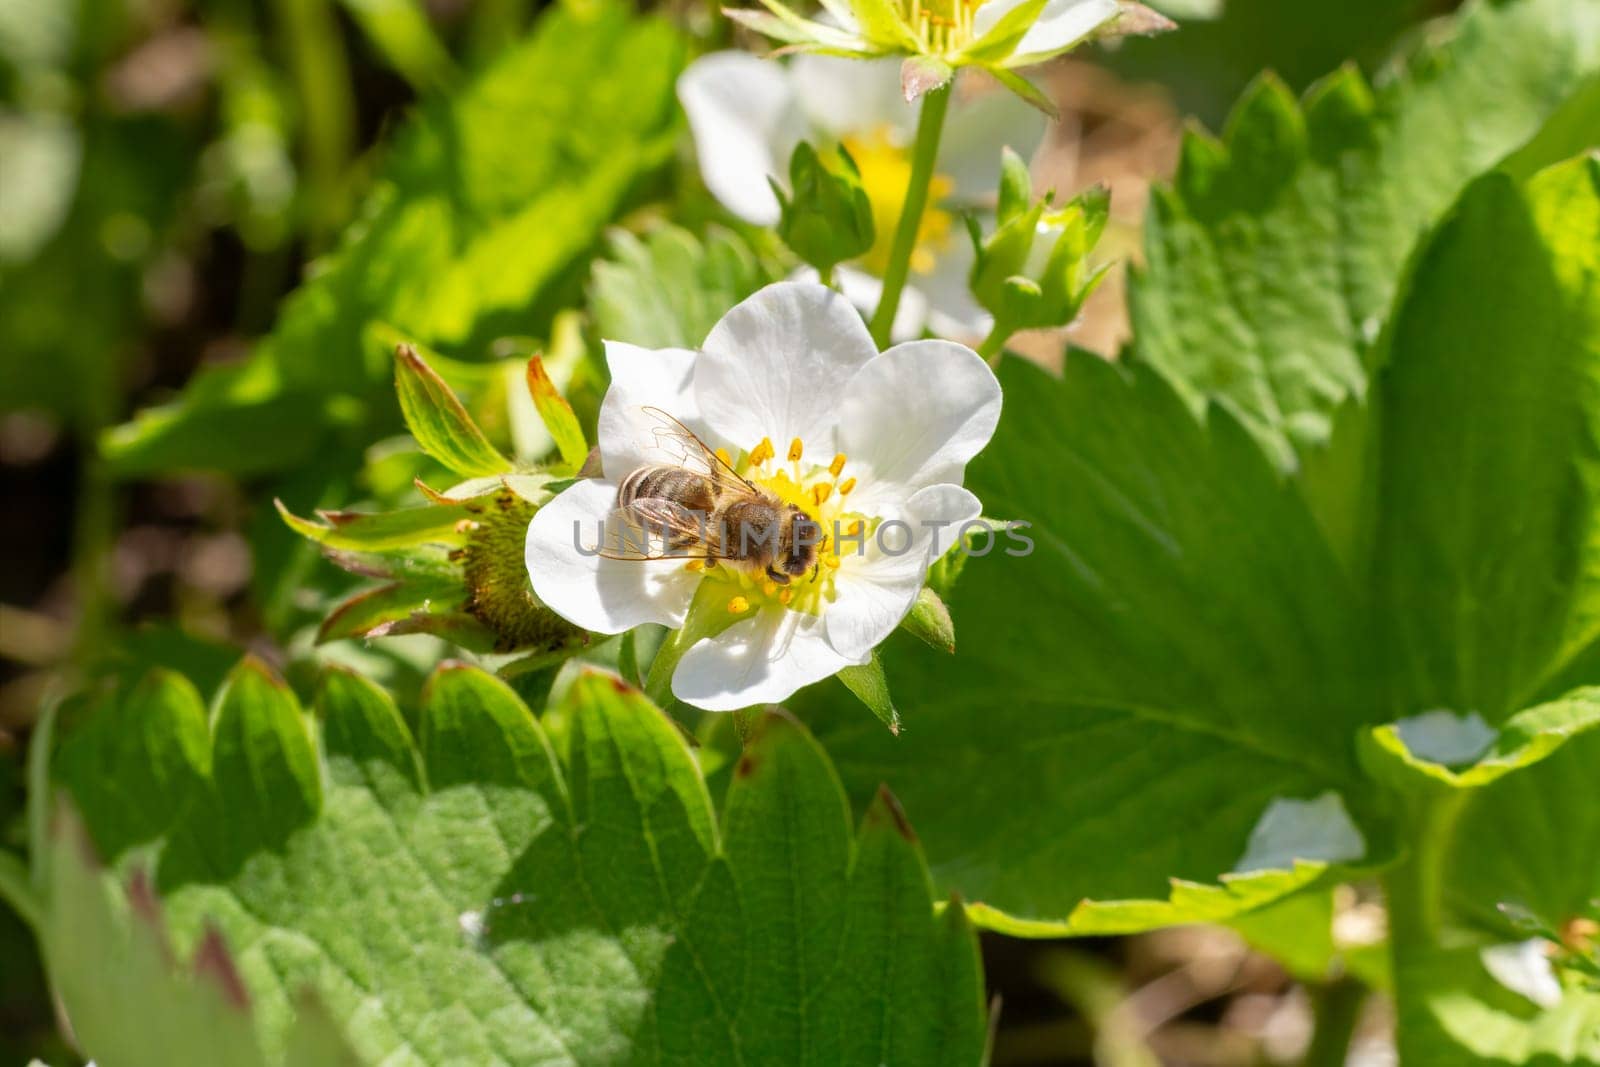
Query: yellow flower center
[
  {"x": 885, "y": 171},
  {"x": 823, "y": 493},
  {"x": 942, "y": 26}
]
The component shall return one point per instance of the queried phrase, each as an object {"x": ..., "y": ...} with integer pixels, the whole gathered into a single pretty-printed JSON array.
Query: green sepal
[
  {"x": 871, "y": 686},
  {"x": 929, "y": 621},
  {"x": 439, "y": 422}
]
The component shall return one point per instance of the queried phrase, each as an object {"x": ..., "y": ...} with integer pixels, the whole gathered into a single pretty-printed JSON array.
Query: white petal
[
  {"x": 952, "y": 310},
  {"x": 914, "y": 417},
  {"x": 864, "y": 290},
  {"x": 778, "y": 364},
  {"x": 877, "y": 587},
  {"x": 1524, "y": 967},
  {"x": 641, "y": 378},
  {"x": 979, "y": 126},
  {"x": 852, "y": 96},
  {"x": 760, "y": 660},
  {"x": 745, "y": 121},
  {"x": 1062, "y": 24},
  {"x": 607, "y": 596}
]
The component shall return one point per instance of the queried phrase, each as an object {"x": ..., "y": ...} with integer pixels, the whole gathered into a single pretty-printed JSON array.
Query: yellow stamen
[
  {"x": 769, "y": 588},
  {"x": 831, "y": 562},
  {"x": 695, "y": 565},
  {"x": 722, "y": 454},
  {"x": 837, "y": 465},
  {"x": 786, "y": 596},
  {"x": 738, "y": 606},
  {"x": 853, "y": 529},
  {"x": 846, "y": 485},
  {"x": 795, "y": 449},
  {"x": 821, "y": 492},
  {"x": 762, "y": 452}
]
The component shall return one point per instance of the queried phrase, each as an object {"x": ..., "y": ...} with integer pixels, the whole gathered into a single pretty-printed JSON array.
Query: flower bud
[
  {"x": 826, "y": 217},
  {"x": 1032, "y": 272}
]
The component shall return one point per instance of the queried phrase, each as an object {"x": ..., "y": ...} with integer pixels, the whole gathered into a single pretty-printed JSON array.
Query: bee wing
[
  {"x": 682, "y": 443},
  {"x": 654, "y": 528}
]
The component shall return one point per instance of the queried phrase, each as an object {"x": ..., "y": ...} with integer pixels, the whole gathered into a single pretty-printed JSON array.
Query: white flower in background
[
  {"x": 937, "y": 37},
  {"x": 791, "y": 388},
  {"x": 747, "y": 114}
]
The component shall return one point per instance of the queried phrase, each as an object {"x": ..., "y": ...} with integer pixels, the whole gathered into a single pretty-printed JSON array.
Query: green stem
[
  {"x": 994, "y": 344},
  {"x": 1337, "y": 1008},
  {"x": 826, "y": 277},
  {"x": 930, "y": 126},
  {"x": 1415, "y": 886}
]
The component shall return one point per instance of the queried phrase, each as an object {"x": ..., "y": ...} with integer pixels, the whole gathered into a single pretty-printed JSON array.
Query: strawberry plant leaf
[
  {"x": 494, "y": 891},
  {"x": 1273, "y": 260},
  {"x": 1203, "y": 652}
]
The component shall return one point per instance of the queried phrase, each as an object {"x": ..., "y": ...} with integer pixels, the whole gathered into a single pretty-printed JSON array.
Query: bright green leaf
[
  {"x": 1272, "y": 262},
  {"x": 1491, "y": 409},
  {"x": 585, "y": 909},
  {"x": 668, "y": 290}
]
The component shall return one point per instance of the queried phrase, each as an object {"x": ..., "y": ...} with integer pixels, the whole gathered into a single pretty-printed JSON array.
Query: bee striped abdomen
[{"x": 684, "y": 488}]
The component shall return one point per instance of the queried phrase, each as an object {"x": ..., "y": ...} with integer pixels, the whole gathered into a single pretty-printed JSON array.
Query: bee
[{"x": 701, "y": 508}]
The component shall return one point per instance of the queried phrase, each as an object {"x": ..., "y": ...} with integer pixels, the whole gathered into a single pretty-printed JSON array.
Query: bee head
[{"x": 797, "y": 548}]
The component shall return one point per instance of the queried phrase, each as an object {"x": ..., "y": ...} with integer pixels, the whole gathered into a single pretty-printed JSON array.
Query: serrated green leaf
[
  {"x": 669, "y": 289},
  {"x": 439, "y": 422},
  {"x": 1523, "y": 740},
  {"x": 1272, "y": 262},
  {"x": 586, "y": 908},
  {"x": 1197, "y": 653},
  {"x": 1490, "y": 407},
  {"x": 111, "y": 958}
]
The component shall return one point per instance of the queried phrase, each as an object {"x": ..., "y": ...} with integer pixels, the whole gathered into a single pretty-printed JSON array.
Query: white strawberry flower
[
  {"x": 791, "y": 388},
  {"x": 747, "y": 114}
]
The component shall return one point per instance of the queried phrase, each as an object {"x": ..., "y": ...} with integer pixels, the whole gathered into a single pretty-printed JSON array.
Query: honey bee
[{"x": 701, "y": 508}]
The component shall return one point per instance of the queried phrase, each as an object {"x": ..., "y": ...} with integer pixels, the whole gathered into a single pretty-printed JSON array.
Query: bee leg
[{"x": 777, "y": 576}]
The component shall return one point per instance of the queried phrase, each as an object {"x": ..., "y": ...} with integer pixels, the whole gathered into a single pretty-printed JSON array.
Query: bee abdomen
[{"x": 685, "y": 488}]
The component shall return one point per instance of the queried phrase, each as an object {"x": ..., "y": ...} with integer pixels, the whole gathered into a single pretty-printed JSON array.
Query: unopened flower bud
[{"x": 826, "y": 216}]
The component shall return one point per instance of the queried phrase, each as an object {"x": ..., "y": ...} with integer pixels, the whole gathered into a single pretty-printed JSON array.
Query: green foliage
[
  {"x": 486, "y": 202},
  {"x": 668, "y": 290},
  {"x": 1274, "y": 258},
  {"x": 1206, "y": 647},
  {"x": 496, "y": 889}
]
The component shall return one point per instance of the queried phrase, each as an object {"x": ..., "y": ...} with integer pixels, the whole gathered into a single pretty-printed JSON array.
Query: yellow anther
[
  {"x": 831, "y": 562},
  {"x": 821, "y": 492},
  {"x": 853, "y": 529},
  {"x": 837, "y": 465},
  {"x": 722, "y": 454},
  {"x": 695, "y": 565},
  {"x": 795, "y": 448},
  {"x": 769, "y": 588},
  {"x": 762, "y": 452},
  {"x": 786, "y": 596},
  {"x": 846, "y": 485},
  {"x": 738, "y": 606}
]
